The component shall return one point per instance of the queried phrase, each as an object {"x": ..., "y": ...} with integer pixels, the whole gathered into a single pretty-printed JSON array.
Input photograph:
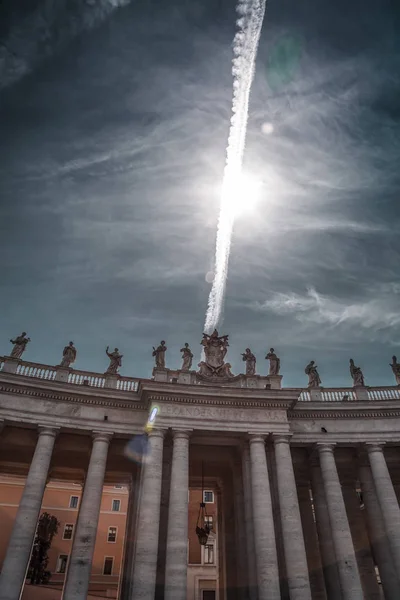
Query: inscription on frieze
[{"x": 222, "y": 414}]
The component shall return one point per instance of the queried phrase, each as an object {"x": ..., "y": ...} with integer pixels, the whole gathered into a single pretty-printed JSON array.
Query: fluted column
[
  {"x": 292, "y": 531},
  {"x": 248, "y": 521},
  {"x": 387, "y": 499},
  {"x": 264, "y": 532},
  {"x": 13, "y": 573},
  {"x": 145, "y": 564},
  {"x": 324, "y": 531},
  {"x": 377, "y": 535},
  {"x": 80, "y": 564},
  {"x": 177, "y": 536},
  {"x": 350, "y": 582}
]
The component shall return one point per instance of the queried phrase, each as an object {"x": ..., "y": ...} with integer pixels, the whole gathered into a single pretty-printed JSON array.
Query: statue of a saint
[
  {"x": 187, "y": 357},
  {"x": 313, "y": 376},
  {"x": 396, "y": 369},
  {"x": 274, "y": 362},
  {"x": 250, "y": 361},
  {"x": 115, "y": 361},
  {"x": 69, "y": 355},
  {"x": 357, "y": 374},
  {"x": 20, "y": 344},
  {"x": 159, "y": 354}
]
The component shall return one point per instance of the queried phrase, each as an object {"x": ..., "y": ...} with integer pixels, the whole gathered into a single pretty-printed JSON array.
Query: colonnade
[{"x": 345, "y": 572}]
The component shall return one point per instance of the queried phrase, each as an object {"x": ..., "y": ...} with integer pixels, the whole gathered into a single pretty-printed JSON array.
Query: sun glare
[{"x": 241, "y": 194}]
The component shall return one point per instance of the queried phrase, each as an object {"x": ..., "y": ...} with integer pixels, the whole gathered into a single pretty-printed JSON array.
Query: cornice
[
  {"x": 75, "y": 398},
  {"x": 212, "y": 401},
  {"x": 340, "y": 414}
]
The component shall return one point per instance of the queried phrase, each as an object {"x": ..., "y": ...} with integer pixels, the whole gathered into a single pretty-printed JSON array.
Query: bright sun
[{"x": 242, "y": 193}]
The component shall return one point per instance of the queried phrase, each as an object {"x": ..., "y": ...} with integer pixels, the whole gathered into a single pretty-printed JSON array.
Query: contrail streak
[{"x": 251, "y": 15}]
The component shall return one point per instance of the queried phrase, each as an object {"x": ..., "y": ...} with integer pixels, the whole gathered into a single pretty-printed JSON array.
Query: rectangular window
[
  {"x": 68, "y": 529},
  {"x": 112, "y": 534},
  {"x": 209, "y": 554},
  {"x": 62, "y": 563},
  {"x": 208, "y": 497},
  {"x": 208, "y": 594},
  {"x": 73, "y": 501},
  {"x": 108, "y": 565},
  {"x": 116, "y": 505},
  {"x": 209, "y": 521}
]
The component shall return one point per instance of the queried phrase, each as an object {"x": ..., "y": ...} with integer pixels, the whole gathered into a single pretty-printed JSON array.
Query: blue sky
[{"x": 114, "y": 119}]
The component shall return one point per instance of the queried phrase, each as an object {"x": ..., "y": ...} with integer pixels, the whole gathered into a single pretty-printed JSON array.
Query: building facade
[{"x": 304, "y": 482}]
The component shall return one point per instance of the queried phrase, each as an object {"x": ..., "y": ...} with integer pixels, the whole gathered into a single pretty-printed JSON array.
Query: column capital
[
  {"x": 157, "y": 433},
  {"x": 257, "y": 438},
  {"x": 327, "y": 447},
  {"x": 281, "y": 438},
  {"x": 374, "y": 446},
  {"x": 102, "y": 436},
  {"x": 181, "y": 434},
  {"x": 48, "y": 430},
  {"x": 2, "y": 424}
]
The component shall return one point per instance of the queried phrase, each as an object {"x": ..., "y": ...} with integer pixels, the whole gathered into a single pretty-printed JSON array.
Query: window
[
  {"x": 208, "y": 554},
  {"x": 112, "y": 534},
  {"x": 117, "y": 487},
  {"x": 108, "y": 565},
  {"x": 208, "y": 520},
  {"x": 73, "y": 501},
  {"x": 208, "y": 595},
  {"x": 68, "y": 529},
  {"x": 116, "y": 505},
  {"x": 208, "y": 497},
  {"x": 62, "y": 563}
]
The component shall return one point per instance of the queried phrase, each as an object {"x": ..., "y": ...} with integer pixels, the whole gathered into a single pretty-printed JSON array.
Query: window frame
[
  {"x": 211, "y": 545},
  {"x": 206, "y": 520},
  {"x": 72, "y": 531},
  {"x": 119, "y": 505},
  {"x": 77, "y": 502},
  {"x": 112, "y": 558},
  {"x": 204, "y": 497},
  {"x": 108, "y": 534},
  {"x": 58, "y": 572}
]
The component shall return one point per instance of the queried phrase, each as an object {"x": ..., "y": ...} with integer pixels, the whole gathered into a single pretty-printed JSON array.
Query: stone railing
[
  {"x": 350, "y": 394},
  {"x": 69, "y": 376}
]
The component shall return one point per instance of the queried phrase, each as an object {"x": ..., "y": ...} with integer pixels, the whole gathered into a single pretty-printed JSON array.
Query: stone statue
[
  {"x": 250, "y": 361},
  {"x": 357, "y": 374},
  {"x": 115, "y": 361},
  {"x": 187, "y": 357},
  {"x": 69, "y": 355},
  {"x": 396, "y": 369},
  {"x": 20, "y": 344},
  {"x": 313, "y": 376},
  {"x": 274, "y": 362},
  {"x": 215, "y": 349},
  {"x": 159, "y": 354}
]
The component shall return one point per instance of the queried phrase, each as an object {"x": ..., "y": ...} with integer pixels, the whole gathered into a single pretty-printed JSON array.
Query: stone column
[
  {"x": 293, "y": 540},
  {"x": 177, "y": 536},
  {"x": 377, "y": 534},
  {"x": 387, "y": 499},
  {"x": 324, "y": 531},
  {"x": 15, "y": 564},
  {"x": 264, "y": 532},
  {"x": 311, "y": 543},
  {"x": 350, "y": 582},
  {"x": 248, "y": 522},
  {"x": 366, "y": 567},
  {"x": 80, "y": 563},
  {"x": 240, "y": 531},
  {"x": 145, "y": 564}
]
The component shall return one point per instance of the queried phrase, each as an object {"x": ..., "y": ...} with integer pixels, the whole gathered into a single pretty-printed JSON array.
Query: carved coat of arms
[{"x": 215, "y": 349}]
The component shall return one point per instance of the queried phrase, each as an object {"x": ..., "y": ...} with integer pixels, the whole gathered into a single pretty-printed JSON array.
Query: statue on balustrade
[
  {"x": 274, "y": 362},
  {"x": 115, "y": 361},
  {"x": 69, "y": 355},
  {"x": 20, "y": 344},
  {"x": 396, "y": 369},
  {"x": 159, "y": 354},
  {"x": 250, "y": 361},
  {"x": 215, "y": 349},
  {"x": 357, "y": 375},
  {"x": 313, "y": 375},
  {"x": 187, "y": 357}
]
